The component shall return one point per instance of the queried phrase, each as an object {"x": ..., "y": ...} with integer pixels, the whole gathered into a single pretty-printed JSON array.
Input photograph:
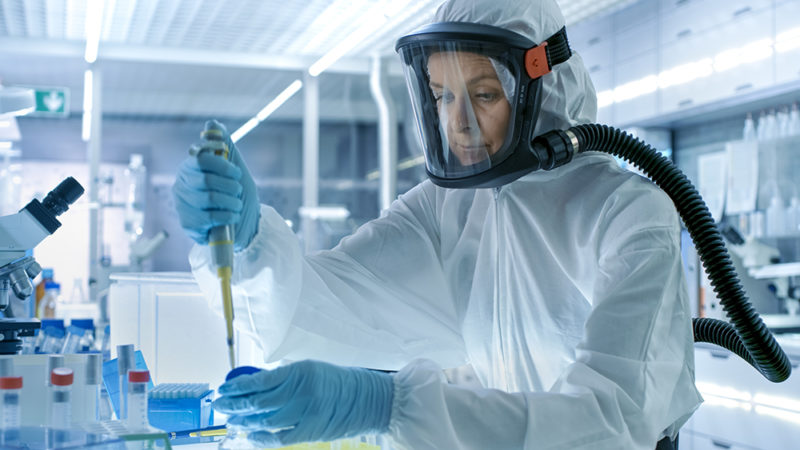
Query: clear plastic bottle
[
  {"x": 94, "y": 378},
  {"x": 10, "y": 388},
  {"x": 49, "y": 303},
  {"x": 105, "y": 343},
  {"x": 87, "y": 339},
  {"x": 775, "y": 217},
  {"x": 136, "y": 175},
  {"x": 749, "y": 132},
  {"x": 792, "y": 217},
  {"x": 794, "y": 121},
  {"x": 771, "y": 131},
  {"x": 78, "y": 295},
  {"x": 126, "y": 361},
  {"x": 72, "y": 340},
  {"x": 782, "y": 119},
  {"x": 137, "y": 400},
  {"x": 47, "y": 276},
  {"x": 61, "y": 379},
  {"x": 53, "y": 340},
  {"x": 761, "y": 126}
]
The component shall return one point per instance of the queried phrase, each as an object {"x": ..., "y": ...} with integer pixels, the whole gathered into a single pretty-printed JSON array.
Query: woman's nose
[{"x": 459, "y": 114}]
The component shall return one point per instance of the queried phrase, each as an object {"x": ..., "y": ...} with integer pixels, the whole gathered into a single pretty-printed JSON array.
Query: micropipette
[{"x": 220, "y": 240}]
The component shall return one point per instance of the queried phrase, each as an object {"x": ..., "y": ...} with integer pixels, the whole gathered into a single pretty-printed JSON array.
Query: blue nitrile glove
[
  {"x": 307, "y": 401},
  {"x": 211, "y": 191}
]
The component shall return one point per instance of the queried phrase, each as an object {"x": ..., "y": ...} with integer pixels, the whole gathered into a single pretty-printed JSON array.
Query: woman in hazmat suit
[{"x": 563, "y": 289}]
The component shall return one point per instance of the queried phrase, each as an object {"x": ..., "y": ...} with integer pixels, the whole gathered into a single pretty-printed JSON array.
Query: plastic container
[
  {"x": 126, "y": 361},
  {"x": 53, "y": 340},
  {"x": 776, "y": 220},
  {"x": 761, "y": 126},
  {"x": 10, "y": 388},
  {"x": 105, "y": 344},
  {"x": 87, "y": 341},
  {"x": 40, "y": 335},
  {"x": 794, "y": 121},
  {"x": 137, "y": 400},
  {"x": 72, "y": 340},
  {"x": 61, "y": 379},
  {"x": 49, "y": 303},
  {"x": 94, "y": 379},
  {"x": 47, "y": 276},
  {"x": 180, "y": 406},
  {"x": 749, "y": 131},
  {"x": 78, "y": 294},
  {"x": 782, "y": 119},
  {"x": 793, "y": 217}
]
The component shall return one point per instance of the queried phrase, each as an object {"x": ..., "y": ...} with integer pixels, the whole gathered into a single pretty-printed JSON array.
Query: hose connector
[{"x": 554, "y": 149}]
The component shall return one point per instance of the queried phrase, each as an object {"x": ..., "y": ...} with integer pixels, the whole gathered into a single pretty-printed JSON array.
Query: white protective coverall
[{"x": 563, "y": 289}]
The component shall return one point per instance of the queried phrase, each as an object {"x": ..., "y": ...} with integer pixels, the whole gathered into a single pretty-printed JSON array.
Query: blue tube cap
[
  {"x": 241, "y": 370},
  {"x": 54, "y": 332},
  {"x": 86, "y": 324},
  {"x": 53, "y": 323}
]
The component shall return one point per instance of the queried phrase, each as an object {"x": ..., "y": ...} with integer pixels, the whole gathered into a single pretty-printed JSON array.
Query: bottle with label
[
  {"x": 61, "y": 379},
  {"x": 47, "y": 276},
  {"x": 10, "y": 389},
  {"x": 137, "y": 400},
  {"x": 49, "y": 303}
]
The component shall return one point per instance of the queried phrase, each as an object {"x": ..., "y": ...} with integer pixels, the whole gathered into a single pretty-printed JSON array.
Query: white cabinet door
[
  {"x": 755, "y": 69},
  {"x": 680, "y": 61},
  {"x": 603, "y": 81},
  {"x": 787, "y": 41},
  {"x": 634, "y": 15},
  {"x": 636, "y": 40},
  {"x": 630, "y": 76},
  {"x": 682, "y": 18},
  {"x": 733, "y": 73}
]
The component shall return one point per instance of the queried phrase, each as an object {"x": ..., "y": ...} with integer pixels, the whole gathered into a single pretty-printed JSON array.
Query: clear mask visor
[{"x": 463, "y": 105}]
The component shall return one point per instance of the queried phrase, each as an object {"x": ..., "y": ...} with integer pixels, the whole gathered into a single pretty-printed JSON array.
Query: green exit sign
[{"x": 51, "y": 102}]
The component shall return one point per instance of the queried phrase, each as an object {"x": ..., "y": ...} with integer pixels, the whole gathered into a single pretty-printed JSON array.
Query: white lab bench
[{"x": 742, "y": 409}]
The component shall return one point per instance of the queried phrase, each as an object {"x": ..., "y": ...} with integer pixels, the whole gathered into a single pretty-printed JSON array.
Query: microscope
[{"x": 20, "y": 233}]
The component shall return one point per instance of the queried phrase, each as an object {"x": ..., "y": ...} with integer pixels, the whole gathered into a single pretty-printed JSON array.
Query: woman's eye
[
  {"x": 445, "y": 97},
  {"x": 486, "y": 96}
]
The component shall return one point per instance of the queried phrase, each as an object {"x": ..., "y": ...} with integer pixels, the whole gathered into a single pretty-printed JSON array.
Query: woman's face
[{"x": 472, "y": 106}]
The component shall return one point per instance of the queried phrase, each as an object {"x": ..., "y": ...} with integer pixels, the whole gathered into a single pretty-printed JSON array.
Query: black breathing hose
[{"x": 745, "y": 335}]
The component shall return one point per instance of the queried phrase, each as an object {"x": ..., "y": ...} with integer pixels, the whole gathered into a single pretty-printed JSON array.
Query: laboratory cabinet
[
  {"x": 704, "y": 41},
  {"x": 787, "y": 34},
  {"x": 635, "y": 14},
  {"x": 742, "y": 409},
  {"x": 631, "y": 42},
  {"x": 681, "y": 18},
  {"x": 717, "y": 80},
  {"x": 644, "y": 105}
]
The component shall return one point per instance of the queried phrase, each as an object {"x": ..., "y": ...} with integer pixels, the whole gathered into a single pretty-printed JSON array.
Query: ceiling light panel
[{"x": 12, "y": 21}]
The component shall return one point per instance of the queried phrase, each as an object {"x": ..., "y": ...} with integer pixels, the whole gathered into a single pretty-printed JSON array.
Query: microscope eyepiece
[{"x": 58, "y": 200}]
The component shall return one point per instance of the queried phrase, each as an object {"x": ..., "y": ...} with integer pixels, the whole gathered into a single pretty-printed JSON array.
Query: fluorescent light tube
[
  {"x": 94, "y": 23},
  {"x": 266, "y": 111},
  {"x": 279, "y": 100},
  {"x": 88, "y": 86}
]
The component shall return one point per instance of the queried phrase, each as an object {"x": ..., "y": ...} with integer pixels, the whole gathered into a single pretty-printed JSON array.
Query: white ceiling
[{"x": 225, "y": 58}]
